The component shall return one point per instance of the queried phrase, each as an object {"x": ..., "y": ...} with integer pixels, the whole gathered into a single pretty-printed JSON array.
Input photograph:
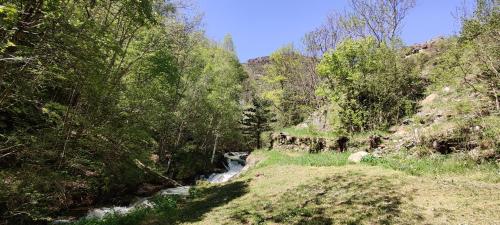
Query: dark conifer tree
[{"x": 257, "y": 119}]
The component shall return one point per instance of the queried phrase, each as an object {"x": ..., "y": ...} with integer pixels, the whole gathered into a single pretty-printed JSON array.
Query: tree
[
  {"x": 228, "y": 44},
  {"x": 325, "y": 37},
  {"x": 290, "y": 85},
  {"x": 257, "y": 119},
  {"x": 486, "y": 10},
  {"x": 480, "y": 50},
  {"x": 63, "y": 67},
  {"x": 381, "y": 18},
  {"x": 92, "y": 87},
  {"x": 371, "y": 83}
]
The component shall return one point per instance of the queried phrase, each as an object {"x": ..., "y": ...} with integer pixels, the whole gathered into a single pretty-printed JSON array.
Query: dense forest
[
  {"x": 99, "y": 97},
  {"x": 90, "y": 88}
]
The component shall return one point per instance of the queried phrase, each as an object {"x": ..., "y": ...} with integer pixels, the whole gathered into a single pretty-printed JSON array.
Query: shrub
[{"x": 372, "y": 83}]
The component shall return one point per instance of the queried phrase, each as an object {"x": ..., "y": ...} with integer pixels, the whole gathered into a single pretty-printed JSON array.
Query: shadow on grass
[
  {"x": 206, "y": 199},
  {"x": 175, "y": 209},
  {"x": 340, "y": 199}
]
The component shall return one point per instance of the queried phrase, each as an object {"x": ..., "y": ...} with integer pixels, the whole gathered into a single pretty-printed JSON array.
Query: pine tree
[{"x": 257, "y": 119}]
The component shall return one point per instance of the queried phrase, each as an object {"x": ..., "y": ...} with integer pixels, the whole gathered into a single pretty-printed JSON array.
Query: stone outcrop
[
  {"x": 259, "y": 60},
  {"x": 318, "y": 120},
  {"x": 256, "y": 68},
  {"x": 307, "y": 144},
  {"x": 429, "y": 46}
]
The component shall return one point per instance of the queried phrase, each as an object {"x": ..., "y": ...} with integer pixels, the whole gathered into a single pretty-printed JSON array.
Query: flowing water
[{"x": 235, "y": 164}]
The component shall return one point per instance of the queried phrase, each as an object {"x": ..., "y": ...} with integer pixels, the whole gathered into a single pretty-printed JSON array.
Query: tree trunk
[
  {"x": 152, "y": 171},
  {"x": 215, "y": 148},
  {"x": 162, "y": 148},
  {"x": 258, "y": 141}
]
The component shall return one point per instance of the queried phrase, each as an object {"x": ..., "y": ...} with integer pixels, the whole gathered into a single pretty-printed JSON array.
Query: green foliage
[
  {"x": 372, "y": 84},
  {"x": 89, "y": 87},
  {"x": 464, "y": 83},
  {"x": 310, "y": 132},
  {"x": 176, "y": 210},
  {"x": 132, "y": 218},
  {"x": 257, "y": 119},
  {"x": 290, "y": 86},
  {"x": 479, "y": 51},
  {"x": 228, "y": 44}
]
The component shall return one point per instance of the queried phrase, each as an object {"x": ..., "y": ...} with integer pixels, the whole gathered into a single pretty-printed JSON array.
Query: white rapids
[{"x": 235, "y": 164}]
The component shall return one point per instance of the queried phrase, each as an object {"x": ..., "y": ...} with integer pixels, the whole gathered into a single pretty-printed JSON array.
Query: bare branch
[{"x": 382, "y": 18}]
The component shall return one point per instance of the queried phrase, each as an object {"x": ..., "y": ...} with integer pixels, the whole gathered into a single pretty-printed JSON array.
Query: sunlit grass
[
  {"x": 304, "y": 159},
  {"x": 437, "y": 165},
  {"x": 419, "y": 166}
]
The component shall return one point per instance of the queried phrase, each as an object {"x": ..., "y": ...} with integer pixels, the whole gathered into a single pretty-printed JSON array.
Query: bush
[{"x": 372, "y": 84}]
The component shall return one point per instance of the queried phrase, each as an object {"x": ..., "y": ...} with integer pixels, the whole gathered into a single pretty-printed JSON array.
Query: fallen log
[{"x": 151, "y": 171}]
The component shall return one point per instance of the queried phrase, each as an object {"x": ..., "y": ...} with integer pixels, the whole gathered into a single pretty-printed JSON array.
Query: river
[{"x": 235, "y": 161}]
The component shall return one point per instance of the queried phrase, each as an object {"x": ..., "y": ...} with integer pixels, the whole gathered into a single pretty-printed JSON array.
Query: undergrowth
[{"x": 309, "y": 132}]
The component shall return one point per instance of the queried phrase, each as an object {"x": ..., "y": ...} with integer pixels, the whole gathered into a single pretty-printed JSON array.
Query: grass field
[{"x": 295, "y": 188}]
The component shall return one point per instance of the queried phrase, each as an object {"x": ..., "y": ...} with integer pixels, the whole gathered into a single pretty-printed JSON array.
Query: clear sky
[{"x": 259, "y": 27}]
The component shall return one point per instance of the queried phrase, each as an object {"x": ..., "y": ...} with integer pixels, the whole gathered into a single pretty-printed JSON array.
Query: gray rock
[
  {"x": 378, "y": 153},
  {"x": 357, "y": 157}
]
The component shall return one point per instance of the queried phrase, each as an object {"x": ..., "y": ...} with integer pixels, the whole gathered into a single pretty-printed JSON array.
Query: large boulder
[
  {"x": 148, "y": 189},
  {"x": 357, "y": 157}
]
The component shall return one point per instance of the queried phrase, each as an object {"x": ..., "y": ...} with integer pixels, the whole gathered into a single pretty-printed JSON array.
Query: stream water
[{"x": 235, "y": 163}]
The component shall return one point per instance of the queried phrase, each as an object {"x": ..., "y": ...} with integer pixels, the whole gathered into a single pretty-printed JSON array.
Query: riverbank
[{"x": 235, "y": 164}]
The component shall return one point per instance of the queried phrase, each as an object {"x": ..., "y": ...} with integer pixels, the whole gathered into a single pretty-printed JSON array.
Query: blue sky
[{"x": 259, "y": 27}]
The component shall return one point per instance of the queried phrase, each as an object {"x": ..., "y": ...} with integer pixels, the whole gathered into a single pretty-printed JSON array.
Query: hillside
[{"x": 451, "y": 117}]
